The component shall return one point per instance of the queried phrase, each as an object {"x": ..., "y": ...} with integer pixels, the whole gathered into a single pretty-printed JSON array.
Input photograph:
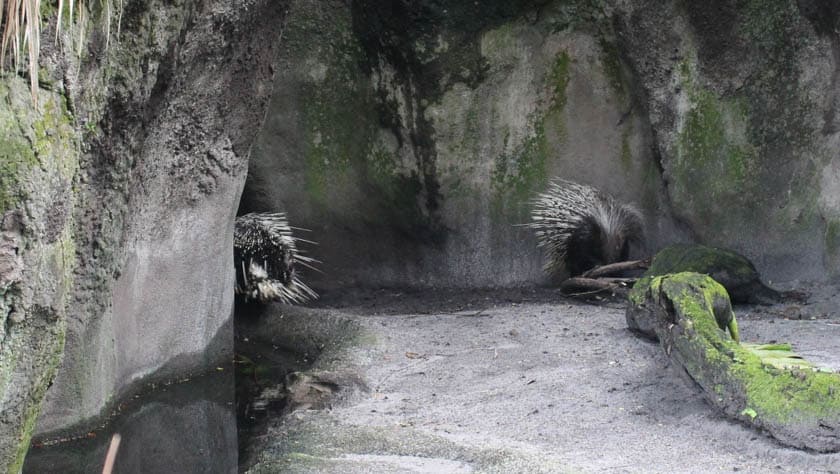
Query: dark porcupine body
[
  {"x": 265, "y": 254},
  {"x": 581, "y": 227}
]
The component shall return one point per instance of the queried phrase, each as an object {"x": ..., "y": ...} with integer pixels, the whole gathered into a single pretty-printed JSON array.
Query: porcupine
[
  {"x": 265, "y": 254},
  {"x": 581, "y": 227}
]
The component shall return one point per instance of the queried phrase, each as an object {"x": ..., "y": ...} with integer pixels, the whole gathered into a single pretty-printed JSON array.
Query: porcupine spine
[
  {"x": 580, "y": 227},
  {"x": 265, "y": 254}
]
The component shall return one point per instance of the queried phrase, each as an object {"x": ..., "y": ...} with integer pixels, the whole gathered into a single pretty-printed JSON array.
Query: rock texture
[
  {"x": 410, "y": 136},
  {"x": 117, "y": 196},
  {"x": 169, "y": 124},
  {"x": 39, "y": 158},
  {"x": 741, "y": 97}
]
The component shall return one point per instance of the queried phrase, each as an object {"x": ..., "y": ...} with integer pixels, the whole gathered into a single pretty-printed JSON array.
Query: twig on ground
[{"x": 617, "y": 267}]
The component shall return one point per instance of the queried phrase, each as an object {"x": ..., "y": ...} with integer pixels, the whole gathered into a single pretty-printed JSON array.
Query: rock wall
[
  {"x": 169, "y": 124},
  {"x": 117, "y": 196},
  {"x": 410, "y": 136},
  {"x": 742, "y": 98},
  {"x": 39, "y": 158}
]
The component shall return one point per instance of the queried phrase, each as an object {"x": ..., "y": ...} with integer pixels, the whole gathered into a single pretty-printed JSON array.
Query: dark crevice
[
  {"x": 824, "y": 16},
  {"x": 640, "y": 102}
]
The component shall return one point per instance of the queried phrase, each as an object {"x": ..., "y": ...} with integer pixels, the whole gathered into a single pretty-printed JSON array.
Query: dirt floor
[{"x": 519, "y": 381}]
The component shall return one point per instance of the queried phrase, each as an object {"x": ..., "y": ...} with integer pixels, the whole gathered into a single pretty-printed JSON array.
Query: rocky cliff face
[
  {"x": 39, "y": 159},
  {"x": 410, "y": 136},
  {"x": 169, "y": 125},
  {"x": 742, "y": 98},
  {"x": 118, "y": 197}
]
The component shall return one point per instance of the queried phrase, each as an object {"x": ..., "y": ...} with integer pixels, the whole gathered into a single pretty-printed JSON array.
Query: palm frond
[{"x": 21, "y": 20}]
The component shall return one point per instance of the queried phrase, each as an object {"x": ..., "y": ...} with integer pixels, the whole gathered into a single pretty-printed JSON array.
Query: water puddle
[{"x": 182, "y": 427}]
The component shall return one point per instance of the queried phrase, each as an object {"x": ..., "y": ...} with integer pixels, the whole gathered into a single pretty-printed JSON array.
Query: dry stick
[
  {"x": 108, "y": 468},
  {"x": 612, "y": 268},
  {"x": 587, "y": 284},
  {"x": 591, "y": 286}
]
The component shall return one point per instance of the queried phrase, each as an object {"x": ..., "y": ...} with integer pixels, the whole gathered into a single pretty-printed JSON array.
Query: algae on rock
[
  {"x": 40, "y": 158},
  {"x": 732, "y": 270}
]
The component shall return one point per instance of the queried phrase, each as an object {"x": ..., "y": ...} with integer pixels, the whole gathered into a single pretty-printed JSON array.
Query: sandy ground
[{"x": 527, "y": 381}]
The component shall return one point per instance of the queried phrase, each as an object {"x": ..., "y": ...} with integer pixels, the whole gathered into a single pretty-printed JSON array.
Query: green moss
[
  {"x": 774, "y": 395},
  {"x": 705, "y": 146},
  {"x": 787, "y": 395},
  {"x": 716, "y": 160},
  {"x": 38, "y": 149},
  {"x": 626, "y": 155},
  {"x": 701, "y": 294},
  {"x": 638, "y": 294},
  {"x": 338, "y": 133},
  {"x": 701, "y": 259},
  {"x": 516, "y": 175},
  {"x": 15, "y": 158},
  {"x": 16, "y": 154},
  {"x": 34, "y": 409},
  {"x": 339, "y": 119},
  {"x": 559, "y": 80}
]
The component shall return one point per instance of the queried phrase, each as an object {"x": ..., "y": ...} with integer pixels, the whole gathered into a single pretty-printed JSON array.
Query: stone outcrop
[
  {"x": 117, "y": 196},
  {"x": 39, "y": 159}
]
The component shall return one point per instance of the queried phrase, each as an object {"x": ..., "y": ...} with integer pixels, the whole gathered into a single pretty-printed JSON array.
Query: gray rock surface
[
  {"x": 410, "y": 136},
  {"x": 741, "y": 97},
  {"x": 169, "y": 110},
  {"x": 117, "y": 196},
  {"x": 516, "y": 382},
  {"x": 39, "y": 157}
]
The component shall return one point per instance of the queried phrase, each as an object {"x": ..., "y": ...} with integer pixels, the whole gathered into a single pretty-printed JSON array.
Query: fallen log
[{"x": 765, "y": 386}]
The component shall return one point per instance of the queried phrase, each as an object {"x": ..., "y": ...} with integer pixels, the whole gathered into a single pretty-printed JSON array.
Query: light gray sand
[{"x": 531, "y": 382}]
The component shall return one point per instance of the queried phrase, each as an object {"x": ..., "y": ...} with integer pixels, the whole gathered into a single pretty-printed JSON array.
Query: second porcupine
[
  {"x": 581, "y": 228},
  {"x": 265, "y": 255}
]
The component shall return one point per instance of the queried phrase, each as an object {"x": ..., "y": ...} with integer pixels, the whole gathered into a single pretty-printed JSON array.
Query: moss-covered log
[{"x": 797, "y": 405}]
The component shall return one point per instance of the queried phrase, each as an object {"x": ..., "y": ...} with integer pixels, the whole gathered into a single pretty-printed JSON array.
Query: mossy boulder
[
  {"x": 732, "y": 270},
  {"x": 797, "y": 404}
]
